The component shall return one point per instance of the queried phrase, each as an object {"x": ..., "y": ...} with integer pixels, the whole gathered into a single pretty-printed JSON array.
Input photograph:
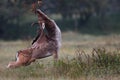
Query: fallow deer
[{"x": 44, "y": 45}]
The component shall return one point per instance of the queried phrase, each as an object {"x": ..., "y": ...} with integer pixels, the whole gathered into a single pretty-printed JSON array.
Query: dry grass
[{"x": 42, "y": 69}]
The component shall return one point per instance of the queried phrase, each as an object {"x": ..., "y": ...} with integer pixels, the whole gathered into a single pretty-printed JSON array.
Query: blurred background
[
  {"x": 86, "y": 25},
  {"x": 95, "y": 17}
]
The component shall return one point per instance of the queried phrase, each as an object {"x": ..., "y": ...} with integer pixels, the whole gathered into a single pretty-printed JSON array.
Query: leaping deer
[{"x": 44, "y": 44}]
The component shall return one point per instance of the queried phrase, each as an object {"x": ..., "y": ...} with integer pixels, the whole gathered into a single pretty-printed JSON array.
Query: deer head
[{"x": 22, "y": 58}]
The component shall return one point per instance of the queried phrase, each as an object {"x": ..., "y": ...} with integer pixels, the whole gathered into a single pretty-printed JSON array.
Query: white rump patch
[
  {"x": 43, "y": 25},
  {"x": 17, "y": 57}
]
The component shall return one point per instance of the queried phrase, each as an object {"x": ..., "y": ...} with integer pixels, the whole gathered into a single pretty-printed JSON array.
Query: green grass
[{"x": 82, "y": 57}]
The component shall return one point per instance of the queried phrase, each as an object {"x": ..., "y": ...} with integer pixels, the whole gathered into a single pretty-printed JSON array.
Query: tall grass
[{"x": 101, "y": 62}]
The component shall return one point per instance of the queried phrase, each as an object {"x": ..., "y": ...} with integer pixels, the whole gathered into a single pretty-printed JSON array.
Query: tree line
[{"x": 85, "y": 16}]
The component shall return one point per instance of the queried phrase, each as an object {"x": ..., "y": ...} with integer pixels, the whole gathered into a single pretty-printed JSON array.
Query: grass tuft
[{"x": 101, "y": 62}]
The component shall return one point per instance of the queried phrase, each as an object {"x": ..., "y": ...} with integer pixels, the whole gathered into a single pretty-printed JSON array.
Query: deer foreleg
[{"x": 55, "y": 55}]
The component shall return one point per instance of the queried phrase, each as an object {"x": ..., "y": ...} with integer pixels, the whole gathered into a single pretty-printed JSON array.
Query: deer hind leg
[{"x": 41, "y": 15}]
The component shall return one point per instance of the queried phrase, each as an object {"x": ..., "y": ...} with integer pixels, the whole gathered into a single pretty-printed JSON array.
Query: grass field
[{"x": 76, "y": 59}]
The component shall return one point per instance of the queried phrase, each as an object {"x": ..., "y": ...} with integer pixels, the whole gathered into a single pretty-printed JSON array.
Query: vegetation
[
  {"x": 78, "y": 60},
  {"x": 85, "y": 16},
  {"x": 101, "y": 63},
  {"x": 82, "y": 56}
]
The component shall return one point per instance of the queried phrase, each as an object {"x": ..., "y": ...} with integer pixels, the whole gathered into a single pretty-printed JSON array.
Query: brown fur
[{"x": 43, "y": 46}]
